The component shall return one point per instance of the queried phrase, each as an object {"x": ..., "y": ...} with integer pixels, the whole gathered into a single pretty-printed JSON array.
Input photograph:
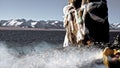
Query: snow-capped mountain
[
  {"x": 54, "y": 24},
  {"x": 115, "y": 26},
  {"x": 31, "y": 23}
]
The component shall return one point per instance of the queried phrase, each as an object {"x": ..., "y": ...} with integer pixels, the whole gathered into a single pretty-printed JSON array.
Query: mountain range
[
  {"x": 23, "y": 23},
  {"x": 115, "y": 26},
  {"x": 53, "y": 24}
]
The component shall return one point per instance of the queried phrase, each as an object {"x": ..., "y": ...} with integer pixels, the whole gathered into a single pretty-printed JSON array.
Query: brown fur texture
[
  {"x": 72, "y": 30},
  {"x": 71, "y": 34},
  {"x": 98, "y": 31}
]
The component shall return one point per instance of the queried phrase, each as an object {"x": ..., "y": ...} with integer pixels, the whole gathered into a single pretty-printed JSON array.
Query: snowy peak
[
  {"x": 53, "y": 24},
  {"x": 31, "y": 23},
  {"x": 115, "y": 26}
]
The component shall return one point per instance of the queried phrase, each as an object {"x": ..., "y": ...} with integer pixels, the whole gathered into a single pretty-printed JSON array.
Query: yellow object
[
  {"x": 108, "y": 53},
  {"x": 116, "y": 51}
]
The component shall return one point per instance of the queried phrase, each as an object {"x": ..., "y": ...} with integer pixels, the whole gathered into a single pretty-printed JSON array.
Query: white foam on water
[{"x": 46, "y": 55}]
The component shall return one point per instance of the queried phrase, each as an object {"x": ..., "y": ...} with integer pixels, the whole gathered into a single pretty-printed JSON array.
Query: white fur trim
[{"x": 66, "y": 42}]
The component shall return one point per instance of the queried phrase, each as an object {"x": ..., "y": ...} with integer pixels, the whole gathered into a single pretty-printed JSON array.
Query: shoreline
[{"x": 41, "y": 29}]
